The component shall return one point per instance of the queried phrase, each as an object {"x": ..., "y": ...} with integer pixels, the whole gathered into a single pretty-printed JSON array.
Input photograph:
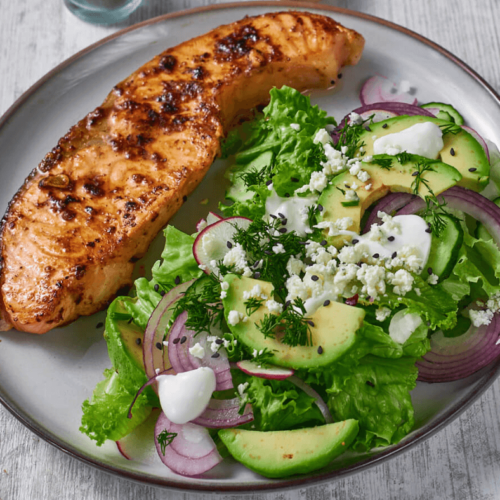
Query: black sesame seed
[
  {"x": 99, "y": 325},
  {"x": 473, "y": 169},
  {"x": 218, "y": 341},
  {"x": 303, "y": 242},
  {"x": 320, "y": 208},
  {"x": 162, "y": 293},
  {"x": 184, "y": 199},
  {"x": 287, "y": 195},
  {"x": 391, "y": 238},
  {"x": 429, "y": 270},
  {"x": 158, "y": 345},
  {"x": 256, "y": 275},
  {"x": 339, "y": 76},
  {"x": 294, "y": 179},
  {"x": 281, "y": 215},
  {"x": 268, "y": 183},
  {"x": 215, "y": 355},
  {"x": 368, "y": 129},
  {"x": 320, "y": 350},
  {"x": 314, "y": 277},
  {"x": 347, "y": 186},
  {"x": 323, "y": 243},
  {"x": 273, "y": 216},
  {"x": 326, "y": 303},
  {"x": 138, "y": 341},
  {"x": 130, "y": 320},
  {"x": 460, "y": 261},
  {"x": 355, "y": 241},
  {"x": 177, "y": 280},
  {"x": 287, "y": 303},
  {"x": 385, "y": 125},
  {"x": 256, "y": 264},
  {"x": 414, "y": 174},
  {"x": 176, "y": 341},
  {"x": 394, "y": 255},
  {"x": 428, "y": 230},
  {"x": 371, "y": 384},
  {"x": 268, "y": 252},
  {"x": 229, "y": 244},
  {"x": 452, "y": 152},
  {"x": 284, "y": 222},
  {"x": 428, "y": 323},
  {"x": 183, "y": 339},
  {"x": 332, "y": 82},
  {"x": 156, "y": 287},
  {"x": 376, "y": 255},
  {"x": 311, "y": 323},
  {"x": 283, "y": 230}
]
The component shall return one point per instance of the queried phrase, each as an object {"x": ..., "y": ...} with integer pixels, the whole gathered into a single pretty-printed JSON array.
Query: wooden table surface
[{"x": 460, "y": 462}]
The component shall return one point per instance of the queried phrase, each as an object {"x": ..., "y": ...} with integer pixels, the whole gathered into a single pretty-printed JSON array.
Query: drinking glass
[{"x": 102, "y": 11}]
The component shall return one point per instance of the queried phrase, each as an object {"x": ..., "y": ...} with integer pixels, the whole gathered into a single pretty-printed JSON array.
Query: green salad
[{"x": 347, "y": 261}]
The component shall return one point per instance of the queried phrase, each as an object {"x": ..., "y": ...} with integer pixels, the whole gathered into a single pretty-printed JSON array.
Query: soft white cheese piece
[
  {"x": 199, "y": 436},
  {"x": 184, "y": 396},
  {"x": 402, "y": 325},
  {"x": 198, "y": 351},
  {"x": 291, "y": 208},
  {"x": 424, "y": 139}
]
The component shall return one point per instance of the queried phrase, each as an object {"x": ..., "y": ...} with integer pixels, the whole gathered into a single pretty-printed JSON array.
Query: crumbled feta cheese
[
  {"x": 241, "y": 389},
  {"x": 233, "y": 318},
  {"x": 480, "y": 318},
  {"x": 354, "y": 186},
  {"x": 376, "y": 233},
  {"x": 334, "y": 228},
  {"x": 382, "y": 313},
  {"x": 295, "y": 126},
  {"x": 363, "y": 176},
  {"x": 368, "y": 187},
  {"x": 351, "y": 195},
  {"x": 402, "y": 282},
  {"x": 236, "y": 257},
  {"x": 355, "y": 169},
  {"x": 165, "y": 343},
  {"x": 433, "y": 279},
  {"x": 223, "y": 294},
  {"x": 294, "y": 266},
  {"x": 279, "y": 248},
  {"x": 322, "y": 136},
  {"x": 197, "y": 351},
  {"x": 274, "y": 307},
  {"x": 224, "y": 285},
  {"x": 367, "y": 159},
  {"x": 373, "y": 279},
  {"x": 254, "y": 293},
  {"x": 355, "y": 118},
  {"x": 318, "y": 181}
]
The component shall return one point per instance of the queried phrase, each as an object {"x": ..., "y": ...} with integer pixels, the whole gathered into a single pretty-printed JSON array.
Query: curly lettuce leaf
[
  {"x": 376, "y": 392},
  {"x": 178, "y": 261},
  {"x": 278, "y": 404}
]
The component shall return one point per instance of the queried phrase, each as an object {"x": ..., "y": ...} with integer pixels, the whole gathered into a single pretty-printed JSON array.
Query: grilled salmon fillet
[{"x": 72, "y": 233}]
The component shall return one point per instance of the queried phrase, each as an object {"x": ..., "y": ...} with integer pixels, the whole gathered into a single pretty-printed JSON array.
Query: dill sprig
[
  {"x": 291, "y": 326},
  {"x": 252, "y": 304},
  {"x": 435, "y": 209},
  {"x": 258, "y": 241},
  {"x": 349, "y": 136},
  {"x": 255, "y": 177},
  {"x": 385, "y": 163},
  {"x": 165, "y": 439},
  {"x": 203, "y": 303},
  {"x": 404, "y": 157},
  {"x": 263, "y": 357}
]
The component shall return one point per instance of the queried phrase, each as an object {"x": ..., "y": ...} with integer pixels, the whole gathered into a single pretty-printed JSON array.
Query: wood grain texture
[{"x": 460, "y": 462}]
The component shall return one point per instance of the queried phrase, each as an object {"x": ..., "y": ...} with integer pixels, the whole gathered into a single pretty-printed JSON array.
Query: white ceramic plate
[{"x": 44, "y": 379}]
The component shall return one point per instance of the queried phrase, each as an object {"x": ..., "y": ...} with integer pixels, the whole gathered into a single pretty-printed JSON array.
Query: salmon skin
[{"x": 91, "y": 208}]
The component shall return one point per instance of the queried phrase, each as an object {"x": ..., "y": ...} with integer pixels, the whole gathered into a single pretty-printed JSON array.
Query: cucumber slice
[
  {"x": 446, "y": 108},
  {"x": 444, "y": 250},
  {"x": 443, "y": 115},
  {"x": 481, "y": 232}
]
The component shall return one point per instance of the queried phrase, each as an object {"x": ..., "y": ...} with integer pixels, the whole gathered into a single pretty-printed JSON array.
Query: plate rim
[{"x": 491, "y": 374}]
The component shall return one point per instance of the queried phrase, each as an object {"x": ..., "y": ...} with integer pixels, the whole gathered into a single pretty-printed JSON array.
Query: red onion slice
[
  {"x": 479, "y": 139},
  {"x": 188, "y": 463},
  {"x": 181, "y": 339},
  {"x": 323, "y": 407},
  {"x": 381, "y": 89},
  {"x": 456, "y": 358},
  {"x": 156, "y": 329},
  {"x": 224, "y": 413},
  {"x": 388, "y": 204}
]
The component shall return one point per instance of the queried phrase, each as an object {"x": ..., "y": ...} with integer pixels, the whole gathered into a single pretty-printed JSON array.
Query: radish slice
[
  {"x": 323, "y": 407},
  {"x": 381, "y": 89},
  {"x": 156, "y": 328},
  {"x": 377, "y": 115},
  {"x": 211, "y": 219},
  {"x": 215, "y": 241},
  {"x": 181, "y": 339},
  {"x": 269, "y": 372},
  {"x": 138, "y": 445},
  {"x": 478, "y": 139},
  {"x": 184, "y": 458},
  {"x": 224, "y": 413}
]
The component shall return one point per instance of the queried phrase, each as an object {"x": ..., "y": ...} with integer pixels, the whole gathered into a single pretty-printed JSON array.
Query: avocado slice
[
  {"x": 122, "y": 337},
  {"x": 334, "y": 329},
  {"x": 397, "y": 178},
  {"x": 284, "y": 453},
  {"x": 460, "y": 150}
]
